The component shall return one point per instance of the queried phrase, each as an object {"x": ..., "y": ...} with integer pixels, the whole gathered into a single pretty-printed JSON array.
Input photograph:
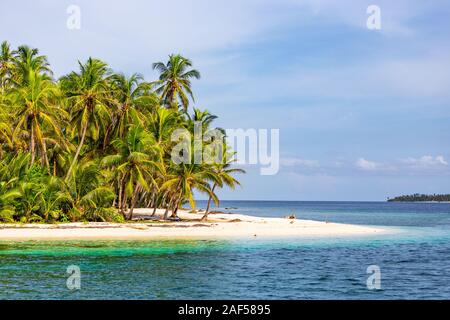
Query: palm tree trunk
[
  {"x": 54, "y": 166},
  {"x": 119, "y": 205},
  {"x": 44, "y": 151},
  {"x": 174, "y": 210},
  {"x": 151, "y": 202},
  {"x": 133, "y": 202},
  {"x": 168, "y": 205},
  {"x": 176, "y": 205},
  {"x": 160, "y": 202},
  {"x": 32, "y": 145},
  {"x": 107, "y": 133},
  {"x": 142, "y": 198},
  {"x": 80, "y": 145},
  {"x": 123, "y": 196},
  {"x": 205, "y": 216},
  {"x": 166, "y": 213},
  {"x": 124, "y": 202}
]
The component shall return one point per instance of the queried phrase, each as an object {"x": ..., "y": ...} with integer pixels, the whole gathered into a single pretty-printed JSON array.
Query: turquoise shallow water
[{"x": 414, "y": 262}]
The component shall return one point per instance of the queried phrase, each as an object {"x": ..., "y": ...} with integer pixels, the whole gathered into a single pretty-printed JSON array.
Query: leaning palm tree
[
  {"x": 89, "y": 95},
  {"x": 136, "y": 160},
  {"x": 174, "y": 81},
  {"x": 183, "y": 179},
  {"x": 224, "y": 174}
]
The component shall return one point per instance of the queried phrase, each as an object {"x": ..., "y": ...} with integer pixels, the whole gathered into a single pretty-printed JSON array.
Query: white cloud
[
  {"x": 291, "y": 162},
  {"x": 366, "y": 164},
  {"x": 407, "y": 165},
  {"x": 426, "y": 161}
]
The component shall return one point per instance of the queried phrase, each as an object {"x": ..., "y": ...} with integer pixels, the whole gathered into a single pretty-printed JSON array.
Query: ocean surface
[{"x": 414, "y": 262}]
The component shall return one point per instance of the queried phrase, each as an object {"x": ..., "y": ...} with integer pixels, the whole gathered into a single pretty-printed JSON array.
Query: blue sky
[{"x": 363, "y": 114}]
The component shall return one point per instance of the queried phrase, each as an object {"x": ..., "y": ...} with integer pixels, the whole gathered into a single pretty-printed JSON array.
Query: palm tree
[
  {"x": 7, "y": 197},
  {"x": 51, "y": 199},
  {"x": 134, "y": 97},
  {"x": 174, "y": 81},
  {"x": 161, "y": 125},
  {"x": 205, "y": 117},
  {"x": 95, "y": 144},
  {"x": 6, "y": 134},
  {"x": 59, "y": 150},
  {"x": 6, "y": 65},
  {"x": 136, "y": 160},
  {"x": 224, "y": 173},
  {"x": 27, "y": 61},
  {"x": 37, "y": 112},
  {"x": 202, "y": 118},
  {"x": 89, "y": 94},
  {"x": 182, "y": 181},
  {"x": 86, "y": 195}
]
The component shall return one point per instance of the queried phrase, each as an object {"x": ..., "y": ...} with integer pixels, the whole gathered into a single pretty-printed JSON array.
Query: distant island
[{"x": 422, "y": 197}]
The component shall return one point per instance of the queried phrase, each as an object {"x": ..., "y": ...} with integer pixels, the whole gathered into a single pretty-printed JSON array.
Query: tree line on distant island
[
  {"x": 95, "y": 144},
  {"x": 421, "y": 197}
]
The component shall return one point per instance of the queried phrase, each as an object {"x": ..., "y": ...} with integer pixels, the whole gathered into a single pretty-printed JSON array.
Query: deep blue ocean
[{"x": 414, "y": 262}]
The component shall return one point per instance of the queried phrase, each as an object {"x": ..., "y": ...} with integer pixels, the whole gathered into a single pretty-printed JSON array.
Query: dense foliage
[
  {"x": 95, "y": 144},
  {"x": 422, "y": 197}
]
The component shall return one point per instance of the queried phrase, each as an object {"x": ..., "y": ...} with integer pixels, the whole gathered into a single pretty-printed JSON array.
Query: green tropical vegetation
[
  {"x": 421, "y": 197},
  {"x": 94, "y": 144}
]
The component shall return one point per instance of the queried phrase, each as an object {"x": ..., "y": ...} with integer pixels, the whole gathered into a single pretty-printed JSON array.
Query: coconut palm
[
  {"x": 134, "y": 99},
  {"x": 95, "y": 144},
  {"x": 174, "y": 83},
  {"x": 27, "y": 62},
  {"x": 37, "y": 112},
  {"x": 14, "y": 166},
  {"x": 204, "y": 117},
  {"x": 89, "y": 94},
  {"x": 183, "y": 179},
  {"x": 6, "y": 65},
  {"x": 87, "y": 196},
  {"x": 161, "y": 125},
  {"x": 6, "y": 133},
  {"x": 136, "y": 160},
  {"x": 223, "y": 171},
  {"x": 7, "y": 197}
]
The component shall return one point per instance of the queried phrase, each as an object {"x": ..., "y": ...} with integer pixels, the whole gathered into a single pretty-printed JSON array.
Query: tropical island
[
  {"x": 421, "y": 198},
  {"x": 95, "y": 144},
  {"x": 90, "y": 155}
]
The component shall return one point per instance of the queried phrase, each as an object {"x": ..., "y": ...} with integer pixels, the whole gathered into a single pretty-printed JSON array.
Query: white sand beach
[{"x": 218, "y": 226}]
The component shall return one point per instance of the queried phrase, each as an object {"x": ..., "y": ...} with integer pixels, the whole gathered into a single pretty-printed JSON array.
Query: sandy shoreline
[{"x": 219, "y": 226}]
